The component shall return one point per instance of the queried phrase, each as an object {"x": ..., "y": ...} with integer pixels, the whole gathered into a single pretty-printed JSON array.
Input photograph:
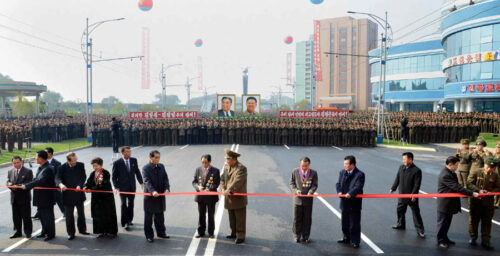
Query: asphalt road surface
[{"x": 269, "y": 219}]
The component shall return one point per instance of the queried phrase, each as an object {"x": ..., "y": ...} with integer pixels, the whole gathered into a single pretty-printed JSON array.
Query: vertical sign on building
[
  {"x": 200, "y": 73},
  {"x": 289, "y": 68},
  {"x": 145, "y": 58},
  {"x": 317, "y": 51}
]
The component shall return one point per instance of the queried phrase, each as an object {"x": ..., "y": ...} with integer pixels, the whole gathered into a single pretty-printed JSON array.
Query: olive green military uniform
[
  {"x": 465, "y": 163},
  {"x": 234, "y": 180},
  {"x": 497, "y": 156},
  {"x": 482, "y": 209},
  {"x": 478, "y": 158}
]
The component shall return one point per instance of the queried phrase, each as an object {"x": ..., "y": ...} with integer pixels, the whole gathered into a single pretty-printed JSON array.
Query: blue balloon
[{"x": 316, "y": 1}]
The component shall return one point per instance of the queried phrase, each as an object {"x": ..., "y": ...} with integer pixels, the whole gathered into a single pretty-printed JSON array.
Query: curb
[
  {"x": 55, "y": 154},
  {"x": 407, "y": 148}
]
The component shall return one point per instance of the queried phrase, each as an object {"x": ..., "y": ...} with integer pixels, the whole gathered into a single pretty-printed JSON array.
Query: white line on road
[
  {"x": 209, "y": 251},
  {"x": 286, "y": 147},
  {"x": 185, "y": 146},
  {"x": 5, "y": 191},
  {"x": 337, "y": 148},
  {"x": 24, "y": 240},
  {"x": 367, "y": 240},
  {"x": 464, "y": 209},
  {"x": 195, "y": 242}
]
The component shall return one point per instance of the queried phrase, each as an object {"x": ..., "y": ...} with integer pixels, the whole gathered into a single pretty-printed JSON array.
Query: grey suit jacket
[{"x": 308, "y": 186}]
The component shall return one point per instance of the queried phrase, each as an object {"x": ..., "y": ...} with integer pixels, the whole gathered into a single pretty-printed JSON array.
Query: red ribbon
[{"x": 270, "y": 195}]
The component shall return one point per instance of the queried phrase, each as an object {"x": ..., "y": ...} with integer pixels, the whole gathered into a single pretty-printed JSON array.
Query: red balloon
[{"x": 288, "y": 40}]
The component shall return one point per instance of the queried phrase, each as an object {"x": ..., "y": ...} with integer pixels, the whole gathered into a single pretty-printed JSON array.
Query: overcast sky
[{"x": 236, "y": 33}]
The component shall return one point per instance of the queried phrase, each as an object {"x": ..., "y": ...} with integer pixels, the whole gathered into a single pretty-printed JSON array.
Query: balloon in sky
[
  {"x": 288, "y": 40},
  {"x": 145, "y": 5},
  {"x": 316, "y": 1},
  {"x": 198, "y": 43}
]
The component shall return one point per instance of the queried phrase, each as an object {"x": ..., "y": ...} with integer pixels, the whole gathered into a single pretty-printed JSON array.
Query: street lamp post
[
  {"x": 87, "y": 55},
  {"x": 383, "y": 70},
  {"x": 164, "y": 84}
]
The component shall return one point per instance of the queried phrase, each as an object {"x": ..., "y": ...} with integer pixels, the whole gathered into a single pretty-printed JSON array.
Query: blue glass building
[{"x": 458, "y": 69}]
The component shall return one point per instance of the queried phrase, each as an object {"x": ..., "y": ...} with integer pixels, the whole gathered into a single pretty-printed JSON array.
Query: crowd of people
[{"x": 23, "y": 131}]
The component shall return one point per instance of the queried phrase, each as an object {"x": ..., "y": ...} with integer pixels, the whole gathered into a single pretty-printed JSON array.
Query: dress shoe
[
  {"x": 15, "y": 236},
  {"x": 41, "y": 236},
  {"x": 211, "y": 236},
  {"x": 112, "y": 235},
  {"x": 421, "y": 234},
  {"x": 48, "y": 238},
  {"x": 150, "y": 240},
  {"x": 443, "y": 245},
  {"x": 200, "y": 236},
  {"x": 473, "y": 242},
  {"x": 306, "y": 240},
  {"x": 28, "y": 236},
  {"x": 71, "y": 237},
  {"x": 127, "y": 226},
  {"x": 85, "y": 233},
  {"x": 449, "y": 242},
  {"x": 343, "y": 241},
  {"x": 164, "y": 236},
  {"x": 130, "y": 224},
  {"x": 101, "y": 235},
  {"x": 487, "y": 246},
  {"x": 297, "y": 239},
  {"x": 239, "y": 241},
  {"x": 355, "y": 246},
  {"x": 230, "y": 237},
  {"x": 398, "y": 227}
]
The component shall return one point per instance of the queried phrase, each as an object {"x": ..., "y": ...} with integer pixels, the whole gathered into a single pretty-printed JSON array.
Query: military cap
[
  {"x": 491, "y": 161},
  {"x": 231, "y": 154},
  {"x": 481, "y": 142},
  {"x": 464, "y": 141}
]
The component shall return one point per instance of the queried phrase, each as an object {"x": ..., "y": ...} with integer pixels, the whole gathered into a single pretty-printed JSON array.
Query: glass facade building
[
  {"x": 458, "y": 69},
  {"x": 414, "y": 77},
  {"x": 471, "y": 40}
]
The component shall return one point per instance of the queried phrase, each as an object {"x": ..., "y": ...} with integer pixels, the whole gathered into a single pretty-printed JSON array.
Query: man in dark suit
[
  {"x": 72, "y": 175},
  {"x": 156, "y": 182},
  {"x": 350, "y": 184},
  {"x": 226, "y": 111},
  {"x": 115, "y": 134},
  {"x": 125, "y": 170},
  {"x": 20, "y": 199},
  {"x": 206, "y": 179},
  {"x": 56, "y": 164},
  {"x": 447, "y": 206},
  {"x": 44, "y": 198},
  {"x": 304, "y": 181},
  {"x": 408, "y": 180}
]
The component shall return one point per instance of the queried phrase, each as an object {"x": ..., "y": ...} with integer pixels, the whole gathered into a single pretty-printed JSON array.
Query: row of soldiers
[
  {"x": 9, "y": 136},
  {"x": 424, "y": 132},
  {"x": 473, "y": 175},
  {"x": 269, "y": 131}
]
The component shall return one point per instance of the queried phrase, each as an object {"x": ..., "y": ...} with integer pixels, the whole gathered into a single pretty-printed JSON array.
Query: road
[{"x": 269, "y": 219}]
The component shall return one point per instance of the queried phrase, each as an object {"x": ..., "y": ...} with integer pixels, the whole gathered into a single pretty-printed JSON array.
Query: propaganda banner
[
  {"x": 315, "y": 114},
  {"x": 163, "y": 115}
]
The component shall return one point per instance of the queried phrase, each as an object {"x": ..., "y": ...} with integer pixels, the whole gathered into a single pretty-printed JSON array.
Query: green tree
[
  {"x": 118, "y": 109},
  {"x": 52, "y": 100},
  {"x": 149, "y": 107},
  {"x": 23, "y": 107},
  {"x": 302, "y": 105},
  {"x": 5, "y": 78},
  {"x": 109, "y": 102}
]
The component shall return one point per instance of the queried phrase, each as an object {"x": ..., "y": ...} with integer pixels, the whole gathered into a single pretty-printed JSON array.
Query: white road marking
[
  {"x": 337, "y": 148},
  {"x": 185, "y": 146},
  {"x": 367, "y": 240},
  {"x": 209, "y": 251},
  {"x": 286, "y": 147},
  {"x": 464, "y": 209},
  {"x": 5, "y": 191},
  {"x": 24, "y": 240},
  {"x": 195, "y": 242}
]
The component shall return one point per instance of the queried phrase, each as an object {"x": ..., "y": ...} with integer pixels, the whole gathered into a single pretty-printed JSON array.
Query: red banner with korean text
[
  {"x": 315, "y": 114},
  {"x": 163, "y": 115},
  {"x": 317, "y": 51}
]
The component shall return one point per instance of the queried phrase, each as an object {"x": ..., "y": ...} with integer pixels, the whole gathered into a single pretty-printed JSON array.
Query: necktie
[
  {"x": 226, "y": 113},
  {"x": 16, "y": 175},
  {"x": 128, "y": 166}
]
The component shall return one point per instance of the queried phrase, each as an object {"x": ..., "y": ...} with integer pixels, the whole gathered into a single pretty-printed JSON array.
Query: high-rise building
[
  {"x": 346, "y": 73},
  {"x": 305, "y": 85}
]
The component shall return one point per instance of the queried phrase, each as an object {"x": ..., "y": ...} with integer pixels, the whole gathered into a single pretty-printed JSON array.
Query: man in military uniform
[
  {"x": 478, "y": 156},
  {"x": 482, "y": 209},
  {"x": 304, "y": 182},
  {"x": 234, "y": 180},
  {"x": 497, "y": 156},
  {"x": 465, "y": 156}
]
